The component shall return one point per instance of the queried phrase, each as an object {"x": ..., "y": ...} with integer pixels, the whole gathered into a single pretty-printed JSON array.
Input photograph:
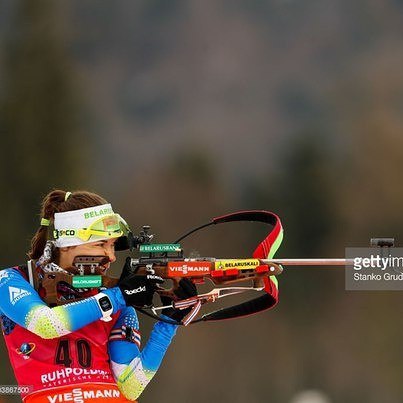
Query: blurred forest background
[{"x": 180, "y": 111}]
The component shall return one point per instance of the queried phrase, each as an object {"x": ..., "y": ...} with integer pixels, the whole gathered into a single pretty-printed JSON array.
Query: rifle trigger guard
[{"x": 149, "y": 268}]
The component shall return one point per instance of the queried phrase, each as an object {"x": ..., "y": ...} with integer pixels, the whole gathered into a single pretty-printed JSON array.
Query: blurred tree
[
  {"x": 371, "y": 169},
  {"x": 300, "y": 192},
  {"x": 173, "y": 198},
  {"x": 41, "y": 144}
]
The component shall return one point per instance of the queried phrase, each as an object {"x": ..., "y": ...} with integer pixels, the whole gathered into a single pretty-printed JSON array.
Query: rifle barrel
[{"x": 309, "y": 262}]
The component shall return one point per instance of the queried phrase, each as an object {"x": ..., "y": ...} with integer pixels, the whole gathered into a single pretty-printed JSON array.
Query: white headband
[{"x": 78, "y": 219}]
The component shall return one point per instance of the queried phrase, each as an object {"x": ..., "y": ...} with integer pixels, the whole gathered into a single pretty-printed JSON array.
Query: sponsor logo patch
[
  {"x": 240, "y": 264},
  {"x": 26, "y": 349},
  {"x": 188, "y": 269},
  {"x": 163, "y": 247},
  {"x": 93, "y": 281},
  {"x": 16, "y": 294},
  {"x": 78, "y": 395}
]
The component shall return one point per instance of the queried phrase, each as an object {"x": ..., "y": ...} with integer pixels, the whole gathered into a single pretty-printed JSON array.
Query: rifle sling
[{"x": 265, "y": 249}]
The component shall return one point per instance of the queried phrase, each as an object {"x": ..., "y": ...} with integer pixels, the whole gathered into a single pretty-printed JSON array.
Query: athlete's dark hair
[{"x": 55, "y": 202}]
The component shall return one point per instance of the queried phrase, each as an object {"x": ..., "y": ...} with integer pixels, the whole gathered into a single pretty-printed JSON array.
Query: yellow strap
[{"x": 67, "y": 195}]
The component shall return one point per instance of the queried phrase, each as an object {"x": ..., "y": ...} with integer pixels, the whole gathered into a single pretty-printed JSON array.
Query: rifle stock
[{"x": 219, "y": 271}]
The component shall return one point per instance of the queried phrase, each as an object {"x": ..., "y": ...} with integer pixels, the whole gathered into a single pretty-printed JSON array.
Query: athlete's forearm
[
  {"x": 22, "y": 304},
  {"x": 133, "y": 369}
]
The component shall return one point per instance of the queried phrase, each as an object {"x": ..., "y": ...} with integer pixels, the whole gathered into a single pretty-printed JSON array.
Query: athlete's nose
[{"x": 110, "y": 252}]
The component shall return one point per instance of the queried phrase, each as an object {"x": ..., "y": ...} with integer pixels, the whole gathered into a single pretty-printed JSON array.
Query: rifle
[{"x": 169, "y": 262}]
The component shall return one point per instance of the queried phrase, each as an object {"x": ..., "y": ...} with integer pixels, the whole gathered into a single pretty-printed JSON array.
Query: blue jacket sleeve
[{"x": 22, "y": 304}]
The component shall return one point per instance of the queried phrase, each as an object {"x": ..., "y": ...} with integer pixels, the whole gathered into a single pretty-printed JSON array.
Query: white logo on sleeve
[
  {"x": 4, "y": 277},
  {"x": 17, "y": 293}
]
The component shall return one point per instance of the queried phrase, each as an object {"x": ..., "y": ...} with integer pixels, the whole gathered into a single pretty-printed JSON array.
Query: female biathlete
[{"x": 88, "y": 349}]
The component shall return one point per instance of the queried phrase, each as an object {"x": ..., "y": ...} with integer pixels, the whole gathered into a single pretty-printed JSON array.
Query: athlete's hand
[
  {"x": 138, "y": 290},
  {"x": 186, "y": 289}
]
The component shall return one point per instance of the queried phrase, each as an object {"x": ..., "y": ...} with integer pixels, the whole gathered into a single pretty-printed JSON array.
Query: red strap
[{"x": 262, "y": 251}]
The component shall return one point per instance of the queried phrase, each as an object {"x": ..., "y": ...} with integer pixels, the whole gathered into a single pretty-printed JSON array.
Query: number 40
[{"x": 63, "y": 355}]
